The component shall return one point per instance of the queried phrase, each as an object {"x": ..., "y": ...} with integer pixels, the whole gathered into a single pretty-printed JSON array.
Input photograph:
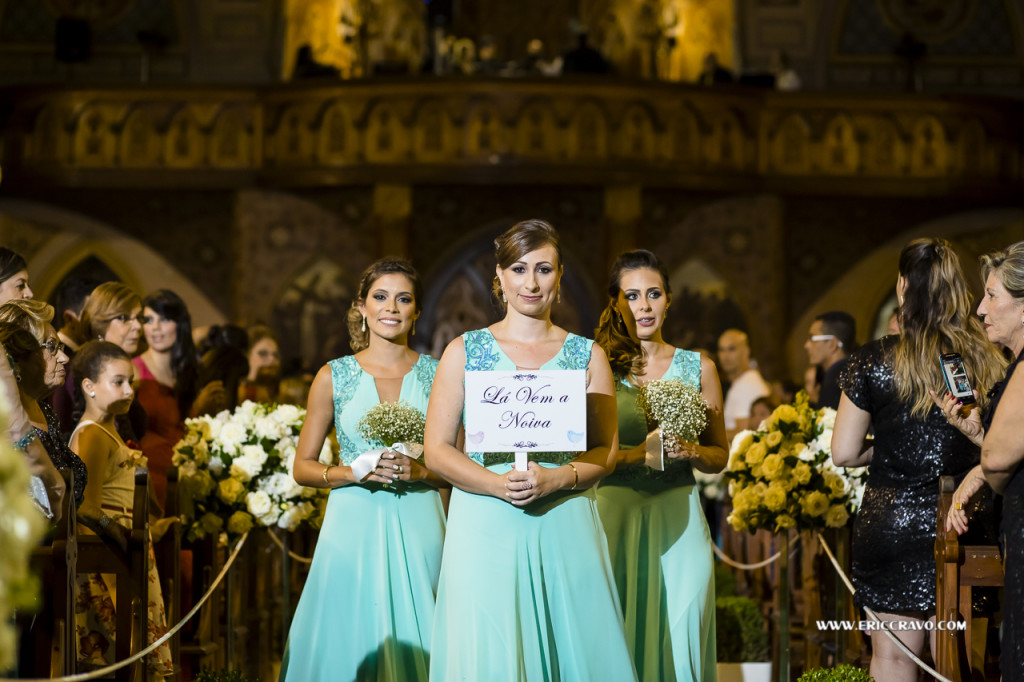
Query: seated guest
[{"x": 261, "y": 385}]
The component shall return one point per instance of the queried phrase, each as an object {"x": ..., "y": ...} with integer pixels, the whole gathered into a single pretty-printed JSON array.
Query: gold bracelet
[
  {"x": 326, "y": 469},
  {"x": 576, "y": 476}
]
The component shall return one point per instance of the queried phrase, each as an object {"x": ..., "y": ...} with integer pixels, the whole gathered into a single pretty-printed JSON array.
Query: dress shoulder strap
[{"x": 88, "y": 422}]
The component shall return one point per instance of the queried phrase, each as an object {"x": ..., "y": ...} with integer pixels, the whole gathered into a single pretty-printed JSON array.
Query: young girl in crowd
[{"x": 104, "y": 372}]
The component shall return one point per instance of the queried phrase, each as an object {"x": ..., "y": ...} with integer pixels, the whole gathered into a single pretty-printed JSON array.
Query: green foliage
[
  {"x": 725, "y": 581},
  {"x": 844, "y": 673},
  {"x": 222, "y": 676},
  {"x": 741, "y": 632}
]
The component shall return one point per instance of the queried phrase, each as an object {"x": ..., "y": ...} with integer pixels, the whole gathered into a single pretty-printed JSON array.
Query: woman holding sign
[
  {"x": 368, "y": 603},
  {"x": 525, "y": 589},
  {"x": 658, "y": 538}
]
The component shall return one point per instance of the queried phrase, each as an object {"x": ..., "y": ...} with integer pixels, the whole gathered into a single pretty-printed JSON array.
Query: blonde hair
[
  {"x": 1008, "y": 265},
  {"x": 31, "y": 314},
  {"x": 106, "y": 302},
  {"x": 935, "y": 318},
  {"x": 358, "y": 337}
]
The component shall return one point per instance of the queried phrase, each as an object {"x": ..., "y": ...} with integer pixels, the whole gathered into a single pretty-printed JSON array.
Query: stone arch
[
  {"x": 337, "y": 142},
  {"x": 884, "y": 149},
  {"x": 929, "y": 156},
  {"x": 683, "y": 142},
  {"x": 725, "y": 145},
  {"x": 634, "y": 135},
  {"x": 588, "y": 133},
  {"x": 840, "y": 154},
  {"x": 458, "y": 297},
  {"x": 49, "y": 141},
  {"x": 485, "y": 131},
  {"x": 790, "y": 146},
  {"x": 972, "y": 158},
  {"x": 536, "y": 134},
  {"x": 140, "y": 145},
  {"x": 864, "y": 289},
  {"x": 432, "y": 133},
  {"x": 386, "y": 138},
  {"x": 59, "y": 250},
  {"x": 292, "y": 139},
  {"x": 185, "y": 145},
  {"x": 231, "y": 141},
  {"x": 95, "y": 145}
]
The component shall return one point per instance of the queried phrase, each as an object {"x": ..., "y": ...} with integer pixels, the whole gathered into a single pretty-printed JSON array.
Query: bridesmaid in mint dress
[
  {"x": 525, "y": 590},
  {"x": 368, "y": 603},
  {"x": 657, "y": 534}
]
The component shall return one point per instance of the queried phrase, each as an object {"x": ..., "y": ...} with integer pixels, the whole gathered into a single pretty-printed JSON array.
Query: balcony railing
[{"x": 499, "y": 130}]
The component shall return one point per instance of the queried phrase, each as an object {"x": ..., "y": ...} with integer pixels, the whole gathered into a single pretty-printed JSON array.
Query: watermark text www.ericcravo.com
[{"x": 891, "y": 625}]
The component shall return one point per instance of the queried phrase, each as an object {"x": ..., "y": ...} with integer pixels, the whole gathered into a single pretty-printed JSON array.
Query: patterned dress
[
  {"x": 368, "y": 603},
  {"x": 660, "y": 549},
  {"x": 526, "y": 593},
  {"x": 893, "y": 544},
  {"x": 95, "y": 620}
]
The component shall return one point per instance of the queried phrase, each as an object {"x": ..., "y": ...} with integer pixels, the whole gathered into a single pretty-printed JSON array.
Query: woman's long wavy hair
[
  {"x": 359, "y": 338},
  {"x": 517, "y": 241},
  {"x": 1008, "y": 264},
  {"x": 936, "y": 317},
  {"x": 184, "y": 364},
  {"x": 625, "y": 354}
]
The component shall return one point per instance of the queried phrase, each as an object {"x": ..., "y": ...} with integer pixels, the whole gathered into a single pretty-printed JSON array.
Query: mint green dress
[
  {"x": 368, "y": 603},
  {"x": 526, "y": 593},
  {"x": 660, "y": 549}
]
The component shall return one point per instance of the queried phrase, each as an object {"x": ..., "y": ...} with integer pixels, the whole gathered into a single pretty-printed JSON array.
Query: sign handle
[{"x": 521, "y": 462}]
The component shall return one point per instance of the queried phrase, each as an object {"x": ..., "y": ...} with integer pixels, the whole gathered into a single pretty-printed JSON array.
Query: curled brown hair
[
  {"x": 625, "y": 354},
  {"x": 360, "y": 339},
  {"x": 519, "y": 240}
]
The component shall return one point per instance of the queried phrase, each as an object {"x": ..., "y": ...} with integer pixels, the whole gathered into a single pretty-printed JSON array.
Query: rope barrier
[
  {"x": 293, "y": 555},
  {"x": 750, "y": 567},
  {"x": 103, "y": 672},
  {"x": 873, "y": 616}
]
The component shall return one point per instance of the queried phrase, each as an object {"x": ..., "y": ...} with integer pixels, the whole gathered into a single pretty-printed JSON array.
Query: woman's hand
[
  {"x": 631, "y": 456},
  {"x": 964, "y": 418},
  {"x": 524, "y": 487},
  {"x": 956, "y": 517},
  {"x": 394, "y": 466},
  {"x": 158, "y": 527},
  {"x": 211, "y": 400}
]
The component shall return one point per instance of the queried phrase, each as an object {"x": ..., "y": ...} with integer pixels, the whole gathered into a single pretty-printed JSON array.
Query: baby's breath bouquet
[
  {"x": 676, "y": 407},
  {"x": 235, "y": 469},
  {"x": 21, "y": 527},
  {"x": 782, "y": 476},
  {"x": 385, "y": 424}
]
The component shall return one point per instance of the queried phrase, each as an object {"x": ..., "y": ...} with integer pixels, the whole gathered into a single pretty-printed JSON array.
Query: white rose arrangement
[{"x": 235, "y": 470}]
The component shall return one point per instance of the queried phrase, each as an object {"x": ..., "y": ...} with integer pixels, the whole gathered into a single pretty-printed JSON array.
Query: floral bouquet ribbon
[
  {"x": 680, "y": 412},
  {"x": 367, "y": 462}
]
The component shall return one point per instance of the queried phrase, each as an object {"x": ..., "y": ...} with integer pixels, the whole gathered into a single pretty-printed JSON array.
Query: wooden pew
[
  {"x": 48, "y": 647},
  {"x": 959, "y": 569},
  {"x": 131, "y": 569},
  {"x": 168, "y": 561}
]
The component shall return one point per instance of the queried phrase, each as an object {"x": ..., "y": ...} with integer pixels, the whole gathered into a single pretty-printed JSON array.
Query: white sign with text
[{"x": 526, "y": 411}]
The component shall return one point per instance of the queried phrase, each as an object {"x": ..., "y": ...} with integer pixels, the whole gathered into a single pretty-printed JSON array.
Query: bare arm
[
  {"x": 444, "y": 417},
  {"x": 1003, "y": 448},
  {"x": 711, "y": 453},
  {"x": 848, "y": 444}
]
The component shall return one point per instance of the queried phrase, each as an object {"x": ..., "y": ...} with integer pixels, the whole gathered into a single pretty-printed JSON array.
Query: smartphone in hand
[{"x": 957, "y": 381}]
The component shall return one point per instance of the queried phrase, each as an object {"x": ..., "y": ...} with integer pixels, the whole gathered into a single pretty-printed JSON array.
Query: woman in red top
[{"x": 167, "y": 377}]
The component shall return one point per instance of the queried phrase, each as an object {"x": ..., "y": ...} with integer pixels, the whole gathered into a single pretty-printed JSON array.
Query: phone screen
[{"x": 957, "y": 381}]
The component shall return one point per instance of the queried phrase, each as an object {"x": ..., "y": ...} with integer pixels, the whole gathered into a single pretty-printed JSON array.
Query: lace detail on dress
[
  {"x": 424, "y": 370},
  {"x": 575, "y": 353},
  {"x": 62, "y": 456},
  {"x": 345, "y": 379},
  {"x": 685, "y": 366},
  {"x": 482, "y": 353}
]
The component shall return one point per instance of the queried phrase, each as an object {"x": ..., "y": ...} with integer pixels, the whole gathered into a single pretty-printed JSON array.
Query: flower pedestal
[{"x": 782, "y": 627}]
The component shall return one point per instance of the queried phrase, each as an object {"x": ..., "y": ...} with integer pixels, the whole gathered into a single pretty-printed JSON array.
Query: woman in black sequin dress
[
  {"x": 998, "y": 431},
  {"x": 886, "y": 388}
]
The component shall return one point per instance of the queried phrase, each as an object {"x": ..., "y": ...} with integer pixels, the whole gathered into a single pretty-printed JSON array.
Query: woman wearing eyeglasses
[{"x": 38, "y": 375}]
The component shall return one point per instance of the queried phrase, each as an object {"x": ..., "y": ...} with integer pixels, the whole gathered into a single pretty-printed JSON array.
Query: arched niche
[
  {"x": 866, "y": 290},
  {"x": 458, "y": 297},
  {"x": 64, "y": 240},
  {"x": 309, "y": 315},
  {"x": 702, "y": 307}
]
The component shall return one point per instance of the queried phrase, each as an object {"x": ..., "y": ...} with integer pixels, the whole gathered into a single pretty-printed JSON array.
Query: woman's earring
[
  {"x": 364, "y": 323},
  {"x": 92, "y": 394},
  {"x": 412, "y": 331},
  {"x": 558, "y": 296},
  {"x": 503, "y": 299}
]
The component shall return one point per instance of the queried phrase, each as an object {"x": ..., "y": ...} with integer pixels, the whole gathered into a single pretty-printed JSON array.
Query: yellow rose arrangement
[
  {"x": 781, "y": 476},
  {"x": 235, "y": 472}
]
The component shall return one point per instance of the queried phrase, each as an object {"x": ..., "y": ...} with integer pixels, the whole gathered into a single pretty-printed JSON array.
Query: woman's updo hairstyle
[
  {"x": 359, "y": 337},
  {"x": 625, "y": 353},
  {"x": 106, "y": 302},
  {"x": 519, "y": 240},
  {"x": 1008, "y": 265}
]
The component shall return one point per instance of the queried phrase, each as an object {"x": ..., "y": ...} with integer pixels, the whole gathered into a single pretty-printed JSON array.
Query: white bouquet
[
  {"x": 385, "y": 424},
  {"x": 236, "y": 471},
  {"x": 677, "y": 408}
]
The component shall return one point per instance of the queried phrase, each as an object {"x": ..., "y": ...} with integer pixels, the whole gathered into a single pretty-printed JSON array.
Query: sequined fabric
[
  {"x": 1011, "y": 659},
  {"x": 60, "y": 454},
  {"x": 893, "y": 558}
]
